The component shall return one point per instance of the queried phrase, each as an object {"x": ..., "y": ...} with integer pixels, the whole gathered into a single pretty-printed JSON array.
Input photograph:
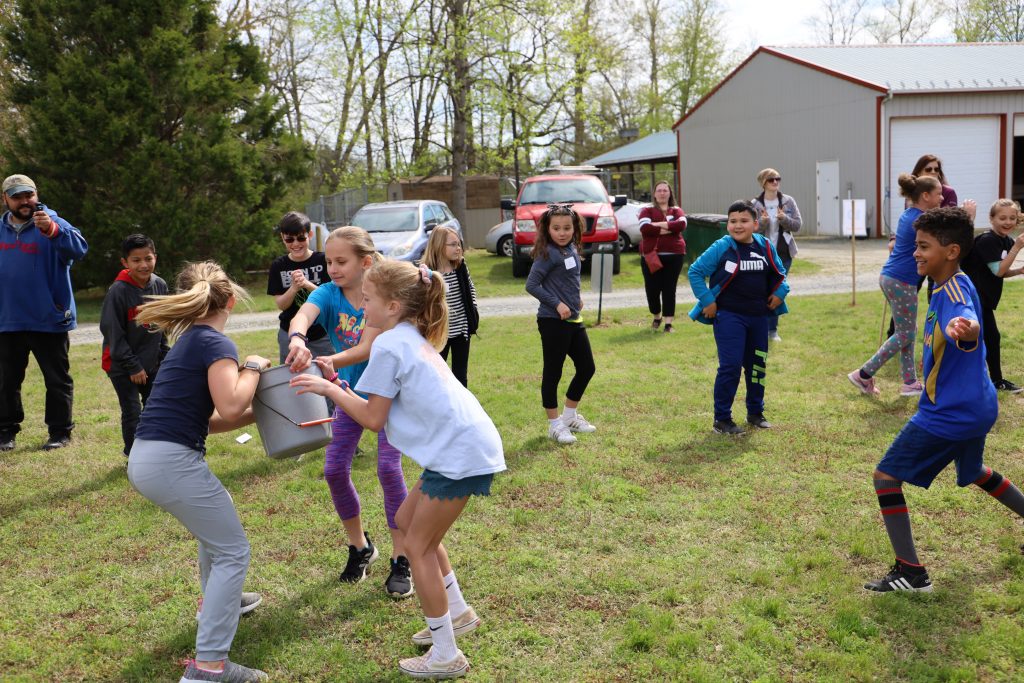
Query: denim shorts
[
  {"x": 439, "y": 486},
  {"x": 918, "y": 456}
]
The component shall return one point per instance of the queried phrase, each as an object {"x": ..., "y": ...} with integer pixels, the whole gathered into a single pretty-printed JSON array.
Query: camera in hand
[{"x": 39, "y": 207}]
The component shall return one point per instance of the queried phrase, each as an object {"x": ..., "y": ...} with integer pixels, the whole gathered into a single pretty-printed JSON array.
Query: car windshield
[
  {"x": 387, "y": 219},
  {"x": 556, "y": 191}
]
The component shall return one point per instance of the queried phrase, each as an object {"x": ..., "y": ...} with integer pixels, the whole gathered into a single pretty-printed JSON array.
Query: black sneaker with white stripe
[{"x": 902, "y": 577}]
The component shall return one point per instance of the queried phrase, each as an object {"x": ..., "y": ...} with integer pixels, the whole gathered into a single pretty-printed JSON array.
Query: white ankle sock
[
  {"x": 443, "y": 636},
  {"x": 456, "y": 603},
  {"x": 553, "y": 421},
  {"x": 568, "y": 413}
]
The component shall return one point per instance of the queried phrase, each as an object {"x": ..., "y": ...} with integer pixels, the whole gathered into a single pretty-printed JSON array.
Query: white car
[{"x": 499, "y": 238}]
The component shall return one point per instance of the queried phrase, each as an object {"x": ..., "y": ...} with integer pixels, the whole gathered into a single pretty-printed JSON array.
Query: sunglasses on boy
[{"x": 288, "y": 239}]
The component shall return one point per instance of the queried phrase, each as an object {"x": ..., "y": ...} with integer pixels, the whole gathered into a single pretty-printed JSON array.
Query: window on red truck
[{"x": 577, "y": 191}]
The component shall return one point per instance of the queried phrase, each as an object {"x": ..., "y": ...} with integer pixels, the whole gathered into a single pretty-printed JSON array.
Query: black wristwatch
[{"x": 251, "y": 365}]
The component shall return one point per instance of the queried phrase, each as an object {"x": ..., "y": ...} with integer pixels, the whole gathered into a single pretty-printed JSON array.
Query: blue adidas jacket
[
  {"x": 35, "y": 276},
  {"x": 711, "y": 267}
]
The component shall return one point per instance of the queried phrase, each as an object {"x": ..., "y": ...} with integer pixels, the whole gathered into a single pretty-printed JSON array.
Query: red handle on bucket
[{"x": 313, "y": 423}]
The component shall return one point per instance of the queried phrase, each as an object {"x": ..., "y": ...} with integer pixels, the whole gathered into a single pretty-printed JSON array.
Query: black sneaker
[
  {"x": 759, "y": 421},
  {"x": 359, "y": 561},
  {"x": 902, "y": 578},
  {"x": 56, "y": 442},
  {"x": 727, "y": 427},
  {"x": 6, "y": 443},
  {"x": 1008, "y": 386},
  {"x": 399, "y": 583}
]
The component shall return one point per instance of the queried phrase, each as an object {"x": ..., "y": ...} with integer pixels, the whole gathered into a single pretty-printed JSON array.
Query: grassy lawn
[{"x": 651, "y": 550}]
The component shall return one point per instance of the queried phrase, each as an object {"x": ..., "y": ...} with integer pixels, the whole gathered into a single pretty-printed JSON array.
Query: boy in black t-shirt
[
  {"x": 988, "y": 263},
  {"x": 293, "y": 276}
]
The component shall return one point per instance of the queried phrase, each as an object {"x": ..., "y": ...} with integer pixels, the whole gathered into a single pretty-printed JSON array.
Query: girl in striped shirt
[{"x": 444, "y": 254}]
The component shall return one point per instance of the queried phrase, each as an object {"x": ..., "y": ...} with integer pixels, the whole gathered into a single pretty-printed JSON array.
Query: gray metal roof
[
  {"x": 654, "y": 147},
  {"x": 921, "y": 68}
]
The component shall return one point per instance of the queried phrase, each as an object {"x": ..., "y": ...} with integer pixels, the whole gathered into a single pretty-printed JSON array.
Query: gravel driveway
[{"x": 833, "y": 255}]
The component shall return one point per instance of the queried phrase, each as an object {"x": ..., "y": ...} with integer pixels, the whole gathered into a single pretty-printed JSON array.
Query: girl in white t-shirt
[{"x": 430, "y": 417}]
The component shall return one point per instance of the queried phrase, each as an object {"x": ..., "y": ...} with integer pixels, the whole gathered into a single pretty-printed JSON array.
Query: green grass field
[{"x": 652, "y": 550}]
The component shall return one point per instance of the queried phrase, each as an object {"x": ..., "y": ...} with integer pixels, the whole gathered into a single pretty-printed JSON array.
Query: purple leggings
[{"x": 338, "y": 469}]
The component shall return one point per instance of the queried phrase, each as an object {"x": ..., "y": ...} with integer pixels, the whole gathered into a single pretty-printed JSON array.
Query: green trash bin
[{"x": 702, "y": 230}]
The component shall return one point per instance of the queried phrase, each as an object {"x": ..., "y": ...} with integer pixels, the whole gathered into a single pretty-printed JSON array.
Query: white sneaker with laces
[
  {"x": 559, "y": 431},
  {"x": 579, "y": 424}
]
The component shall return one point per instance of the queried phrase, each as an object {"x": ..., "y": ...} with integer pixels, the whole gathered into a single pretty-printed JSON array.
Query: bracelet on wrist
[
  {"x": 301, "y": 336},
  {"x": 333, "y": 378}
]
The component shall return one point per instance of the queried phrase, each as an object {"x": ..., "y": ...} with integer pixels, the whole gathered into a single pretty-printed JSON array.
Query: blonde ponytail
[
  {"x": 423, "y": 303},
  {"x": 202, "y": 289}
]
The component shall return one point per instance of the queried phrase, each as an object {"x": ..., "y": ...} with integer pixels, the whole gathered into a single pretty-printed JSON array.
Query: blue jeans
[{"x": 742, "y": 342}]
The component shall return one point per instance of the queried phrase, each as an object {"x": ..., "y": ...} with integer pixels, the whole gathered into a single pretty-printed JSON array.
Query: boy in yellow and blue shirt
[{"x": 957, "y": 407}]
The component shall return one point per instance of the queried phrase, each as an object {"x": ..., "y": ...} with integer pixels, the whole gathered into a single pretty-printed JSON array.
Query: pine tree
[{"x": 148, "y": 116}]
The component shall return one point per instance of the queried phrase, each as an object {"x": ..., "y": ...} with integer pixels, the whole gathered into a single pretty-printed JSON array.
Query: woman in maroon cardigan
[{"x": 662, "y": 225}]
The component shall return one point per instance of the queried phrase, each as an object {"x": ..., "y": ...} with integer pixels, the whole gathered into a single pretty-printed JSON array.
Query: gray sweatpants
[{"x": 177, "y": 479}]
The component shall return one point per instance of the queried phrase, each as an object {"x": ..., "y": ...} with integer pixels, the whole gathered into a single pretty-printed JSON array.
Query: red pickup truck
[{"x": 589, "y": 199}]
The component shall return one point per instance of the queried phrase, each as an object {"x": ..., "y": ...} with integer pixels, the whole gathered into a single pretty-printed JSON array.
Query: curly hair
[{"x": 948, "y": 225}]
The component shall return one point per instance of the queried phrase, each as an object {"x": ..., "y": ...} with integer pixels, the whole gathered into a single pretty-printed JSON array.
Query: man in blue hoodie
[{"x": 37, "y": 308}]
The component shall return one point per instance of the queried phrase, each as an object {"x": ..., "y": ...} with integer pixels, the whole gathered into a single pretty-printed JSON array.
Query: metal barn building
[{"x": 852, "y": 118}]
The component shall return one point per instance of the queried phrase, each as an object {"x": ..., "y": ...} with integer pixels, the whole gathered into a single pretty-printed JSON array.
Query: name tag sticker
[
  {"x": 570, "y": 263},
  {"x": 730, "y": 266}
]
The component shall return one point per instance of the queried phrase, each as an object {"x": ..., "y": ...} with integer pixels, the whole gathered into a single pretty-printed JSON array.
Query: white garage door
[{"x": 968, "y": 147}]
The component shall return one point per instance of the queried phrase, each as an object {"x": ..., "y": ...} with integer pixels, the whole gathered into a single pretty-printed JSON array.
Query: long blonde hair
[
  {"x": 423, "y": 303},
  {"x": 357, "y": 238},
  {"x": 434, "y": 255},
  {"x": 203, "y": 289}
]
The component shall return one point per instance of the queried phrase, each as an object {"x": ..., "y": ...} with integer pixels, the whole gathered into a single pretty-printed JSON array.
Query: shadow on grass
[
  {"x": 10, "y": 509},
  {"x": 708, "y": 449},
  {"x": 261, "y": 635},
  {"x": 259, "y": 469}
]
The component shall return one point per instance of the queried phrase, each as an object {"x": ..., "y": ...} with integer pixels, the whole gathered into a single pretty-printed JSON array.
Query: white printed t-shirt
[{"x": 433, "y": 418}]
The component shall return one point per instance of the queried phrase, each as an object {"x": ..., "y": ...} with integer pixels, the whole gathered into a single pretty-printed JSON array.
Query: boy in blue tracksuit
[
  {"x": 957, "y": 407},
  {"x": 739, "y": 283}
]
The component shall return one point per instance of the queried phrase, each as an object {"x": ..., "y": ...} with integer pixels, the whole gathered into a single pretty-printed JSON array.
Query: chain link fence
[{"x": 334, "y": 210}]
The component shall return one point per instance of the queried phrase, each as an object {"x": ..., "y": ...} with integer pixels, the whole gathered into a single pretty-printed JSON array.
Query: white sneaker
[
  {"x": 579, "y": 424},
  {"x": 559, "y": 431},
  {"x": 775, "y": 337}
]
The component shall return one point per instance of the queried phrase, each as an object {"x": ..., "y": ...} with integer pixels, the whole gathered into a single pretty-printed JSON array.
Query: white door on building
[
  {"x": 968, "y": 147},
  {"x": 827, "y": 190}
]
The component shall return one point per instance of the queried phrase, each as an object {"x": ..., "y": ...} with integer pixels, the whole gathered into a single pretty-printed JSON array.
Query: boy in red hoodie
[{"x": 131, "y": 353}]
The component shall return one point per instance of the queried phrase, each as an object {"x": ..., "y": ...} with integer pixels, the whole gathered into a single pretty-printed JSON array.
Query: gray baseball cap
[{"x": 18, "y": 183}]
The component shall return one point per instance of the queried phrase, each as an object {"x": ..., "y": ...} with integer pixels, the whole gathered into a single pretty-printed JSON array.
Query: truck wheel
[
  {"x": 624, "y": 243},
  {"x": 520, "y": 266}
]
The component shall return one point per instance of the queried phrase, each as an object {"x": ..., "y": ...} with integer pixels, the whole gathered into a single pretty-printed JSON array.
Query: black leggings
[
  {"x": 991, "y": 332},
  {"x": 559, "y": 339},
  {"x": 661, "y": 286},
  {"x": 459, "y": 347}
]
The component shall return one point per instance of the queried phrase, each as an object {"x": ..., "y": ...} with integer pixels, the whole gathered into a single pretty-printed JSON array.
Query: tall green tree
[{"x": 149, "y": 116}]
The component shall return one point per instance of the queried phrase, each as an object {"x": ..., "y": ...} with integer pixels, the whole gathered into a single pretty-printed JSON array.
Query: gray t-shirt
[
  {"x": 433, "y": 418},
  {"x": 555, "y": 280}
]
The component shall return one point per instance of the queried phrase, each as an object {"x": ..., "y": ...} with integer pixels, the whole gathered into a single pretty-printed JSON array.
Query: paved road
[{"x": 831, "y": 254}]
